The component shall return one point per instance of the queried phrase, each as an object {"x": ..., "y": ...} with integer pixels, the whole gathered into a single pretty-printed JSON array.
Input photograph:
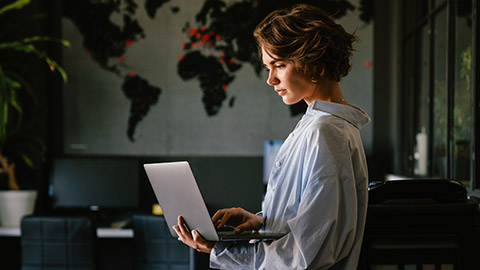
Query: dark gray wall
[{"x": 224, "y": 181}]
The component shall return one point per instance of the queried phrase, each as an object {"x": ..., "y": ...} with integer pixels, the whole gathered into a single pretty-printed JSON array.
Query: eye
[{"x": 280, "y": 66}]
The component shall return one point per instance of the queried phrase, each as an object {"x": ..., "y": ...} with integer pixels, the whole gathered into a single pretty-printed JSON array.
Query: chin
[{"x": 289, "y": 101}]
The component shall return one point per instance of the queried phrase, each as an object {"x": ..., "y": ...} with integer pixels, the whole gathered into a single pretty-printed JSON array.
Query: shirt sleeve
[{"x": 323, "y": 231}]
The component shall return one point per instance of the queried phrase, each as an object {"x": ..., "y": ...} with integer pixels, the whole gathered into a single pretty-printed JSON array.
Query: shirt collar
[{"x": 351, "y": 114}]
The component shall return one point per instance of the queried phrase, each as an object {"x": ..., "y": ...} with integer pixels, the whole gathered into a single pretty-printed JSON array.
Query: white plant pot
[{"x": 14, "y": 204}]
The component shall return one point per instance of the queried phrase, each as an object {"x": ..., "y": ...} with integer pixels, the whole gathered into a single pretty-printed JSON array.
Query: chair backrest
[
  {"x": 417, "y": 190},
  {"x": 57, "y": 243},
  {"x": 156, "y": 249}
]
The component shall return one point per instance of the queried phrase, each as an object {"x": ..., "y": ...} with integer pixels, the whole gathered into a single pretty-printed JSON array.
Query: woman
[{"x": 317, "y": 190}]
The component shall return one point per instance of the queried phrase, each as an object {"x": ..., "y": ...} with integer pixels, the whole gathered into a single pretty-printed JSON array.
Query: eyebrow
[{"x": 272, "y": 62}]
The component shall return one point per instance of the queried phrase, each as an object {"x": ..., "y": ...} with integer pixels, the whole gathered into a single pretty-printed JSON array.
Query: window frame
[
  {"x": 475, "y": 168},
  {"x": 413, "y": 30}
]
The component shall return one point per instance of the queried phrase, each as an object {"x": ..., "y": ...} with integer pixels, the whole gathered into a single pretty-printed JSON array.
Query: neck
[{"x": 327, "y": 90}]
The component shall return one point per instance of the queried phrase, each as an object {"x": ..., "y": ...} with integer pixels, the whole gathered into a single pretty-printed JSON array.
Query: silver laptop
[{"x": 178, "y": 194}]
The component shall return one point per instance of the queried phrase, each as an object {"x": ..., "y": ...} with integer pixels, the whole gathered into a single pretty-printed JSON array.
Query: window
[{"x": 439, "y": 100}]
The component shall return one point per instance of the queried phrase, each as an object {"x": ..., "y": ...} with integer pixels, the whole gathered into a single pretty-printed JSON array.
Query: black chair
[
  {"x": 416, "y": 222},
  {"x": 56, "y": 243},
  {"x": 156, "y": 249}
]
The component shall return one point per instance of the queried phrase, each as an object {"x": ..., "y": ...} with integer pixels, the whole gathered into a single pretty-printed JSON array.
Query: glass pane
[
  {"x": 437, "y": 3},
  {"x": 447, "y": 267},
  {"x": 415, "y": 11},
  {"x": 409, "y": 116},
  {"x": 421, "y": 142},
  {"x": 439, "y": 160},
  {"x": 462, "y": 92}
]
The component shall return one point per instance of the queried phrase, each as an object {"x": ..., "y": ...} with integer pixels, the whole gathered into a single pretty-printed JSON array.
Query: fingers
[
  {"x": 193, "y": 238},
  {"x": 247, "y": 226},
  {"x": 253, "y": 222},
  {"x": 238, "y": 218},
  {"x": 223, "y": 220},
  {"x": 229, "y": 217},
  {"x": 181, "y": 230},
  {"x": 218, "y": 218},
  {"x": 198, "y": 238},
  {"x": 242, "y": 227},
  {"x": 202, "y": 245}
]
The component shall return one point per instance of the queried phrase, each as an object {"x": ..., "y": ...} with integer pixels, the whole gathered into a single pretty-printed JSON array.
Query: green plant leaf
[
  {"x": 57, "y": 67},
  {"x": 9, "y": 101},
  {"x": 19, "y": 136},
  {"x": 18, "y": 107},
  {"x": 65, "y": 43},
  {"x": 22, "y": 46},
  {"x": 30, "y": 148},
  {"x": 27, "y": 160},
  {"x": 15, "y": 5}
]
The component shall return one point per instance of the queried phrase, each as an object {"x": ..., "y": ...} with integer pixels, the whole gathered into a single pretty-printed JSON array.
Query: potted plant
[{"x": 18, "y": 144}]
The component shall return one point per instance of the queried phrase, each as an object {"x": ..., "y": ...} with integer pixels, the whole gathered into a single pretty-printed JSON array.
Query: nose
[{"x": 272, "y": 79}]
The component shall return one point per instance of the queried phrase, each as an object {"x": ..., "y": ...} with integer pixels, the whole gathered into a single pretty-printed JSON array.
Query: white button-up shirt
[{"x": 317, "y": 193}]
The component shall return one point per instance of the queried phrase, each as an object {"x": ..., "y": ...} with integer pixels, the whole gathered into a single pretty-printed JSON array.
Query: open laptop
[{"x": 178, "y": 194}]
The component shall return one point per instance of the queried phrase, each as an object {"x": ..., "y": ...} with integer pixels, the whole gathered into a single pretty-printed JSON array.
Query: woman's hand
[
  {"x": 192, "y": 239},
  {"x": 237, "y": 218}
]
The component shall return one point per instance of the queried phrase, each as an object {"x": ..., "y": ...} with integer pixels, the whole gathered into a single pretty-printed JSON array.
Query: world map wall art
[{"x": 156, "y": 76}]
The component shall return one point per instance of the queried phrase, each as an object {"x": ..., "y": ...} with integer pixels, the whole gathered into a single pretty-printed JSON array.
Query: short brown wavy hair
[{"x": 309, "y": 38}]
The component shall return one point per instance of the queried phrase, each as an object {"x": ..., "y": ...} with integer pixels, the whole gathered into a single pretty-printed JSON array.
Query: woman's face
[{"x": 290, "y": 84}]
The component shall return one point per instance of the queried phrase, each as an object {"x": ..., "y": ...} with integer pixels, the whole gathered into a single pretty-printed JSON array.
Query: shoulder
[{"x": 326, "y": 125}]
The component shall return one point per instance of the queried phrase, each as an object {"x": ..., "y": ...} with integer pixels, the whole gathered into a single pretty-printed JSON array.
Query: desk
[
  {"x": 114, "y": 247},
  {"x": 101, "y": 232},
  {"x": 9, "y": 232}
]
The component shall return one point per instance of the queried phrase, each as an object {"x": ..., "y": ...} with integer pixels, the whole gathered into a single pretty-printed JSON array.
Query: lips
[{"x": 281, "y": 92}]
